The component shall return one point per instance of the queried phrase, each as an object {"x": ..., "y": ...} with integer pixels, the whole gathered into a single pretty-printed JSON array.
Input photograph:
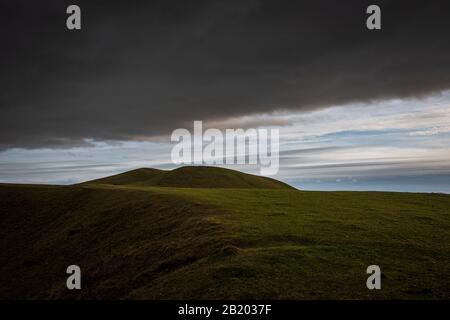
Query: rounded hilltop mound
[{"x": 192, "y": 177}]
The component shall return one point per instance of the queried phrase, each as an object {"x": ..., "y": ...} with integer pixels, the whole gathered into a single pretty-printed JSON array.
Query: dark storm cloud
[{"x": 144, "y": 68}]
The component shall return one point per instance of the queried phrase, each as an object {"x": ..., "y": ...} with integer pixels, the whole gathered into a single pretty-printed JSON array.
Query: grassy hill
[
  {"x": 142, "y": 235},
  {"x": 191, "y": 177}
]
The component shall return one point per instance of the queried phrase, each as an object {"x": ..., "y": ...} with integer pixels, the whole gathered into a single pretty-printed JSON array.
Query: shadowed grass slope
[
  {"x": 121, "y": 239},
  {"x": 147, "y": 242}
]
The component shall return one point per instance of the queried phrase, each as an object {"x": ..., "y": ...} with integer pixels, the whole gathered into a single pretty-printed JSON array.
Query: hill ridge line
[{"x": 191, "y": 177}]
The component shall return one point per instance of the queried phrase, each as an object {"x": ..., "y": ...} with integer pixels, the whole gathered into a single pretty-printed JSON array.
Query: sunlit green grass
[{"x": 297, "y": 244}]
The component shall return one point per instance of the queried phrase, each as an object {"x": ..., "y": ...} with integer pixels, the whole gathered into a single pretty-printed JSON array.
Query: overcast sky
[{"x": 357, "y": 109}]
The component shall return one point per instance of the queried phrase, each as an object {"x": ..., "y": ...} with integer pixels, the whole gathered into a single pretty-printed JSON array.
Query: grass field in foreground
[
  {"x": 137, "y": 241},
  {"x": 296, "y": 244}
]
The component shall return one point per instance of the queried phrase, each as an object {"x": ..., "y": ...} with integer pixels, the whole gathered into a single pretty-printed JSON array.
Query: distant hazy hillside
[{"x": 192, "y": 177}]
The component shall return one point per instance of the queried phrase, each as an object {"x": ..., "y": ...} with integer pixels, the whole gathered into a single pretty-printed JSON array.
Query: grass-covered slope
[
  {"x": 152, "y": 242},
  {"x": 192, "y": 177},
  {"x": 122, "y": 240},
  {"x": 143, "y": 177}
]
